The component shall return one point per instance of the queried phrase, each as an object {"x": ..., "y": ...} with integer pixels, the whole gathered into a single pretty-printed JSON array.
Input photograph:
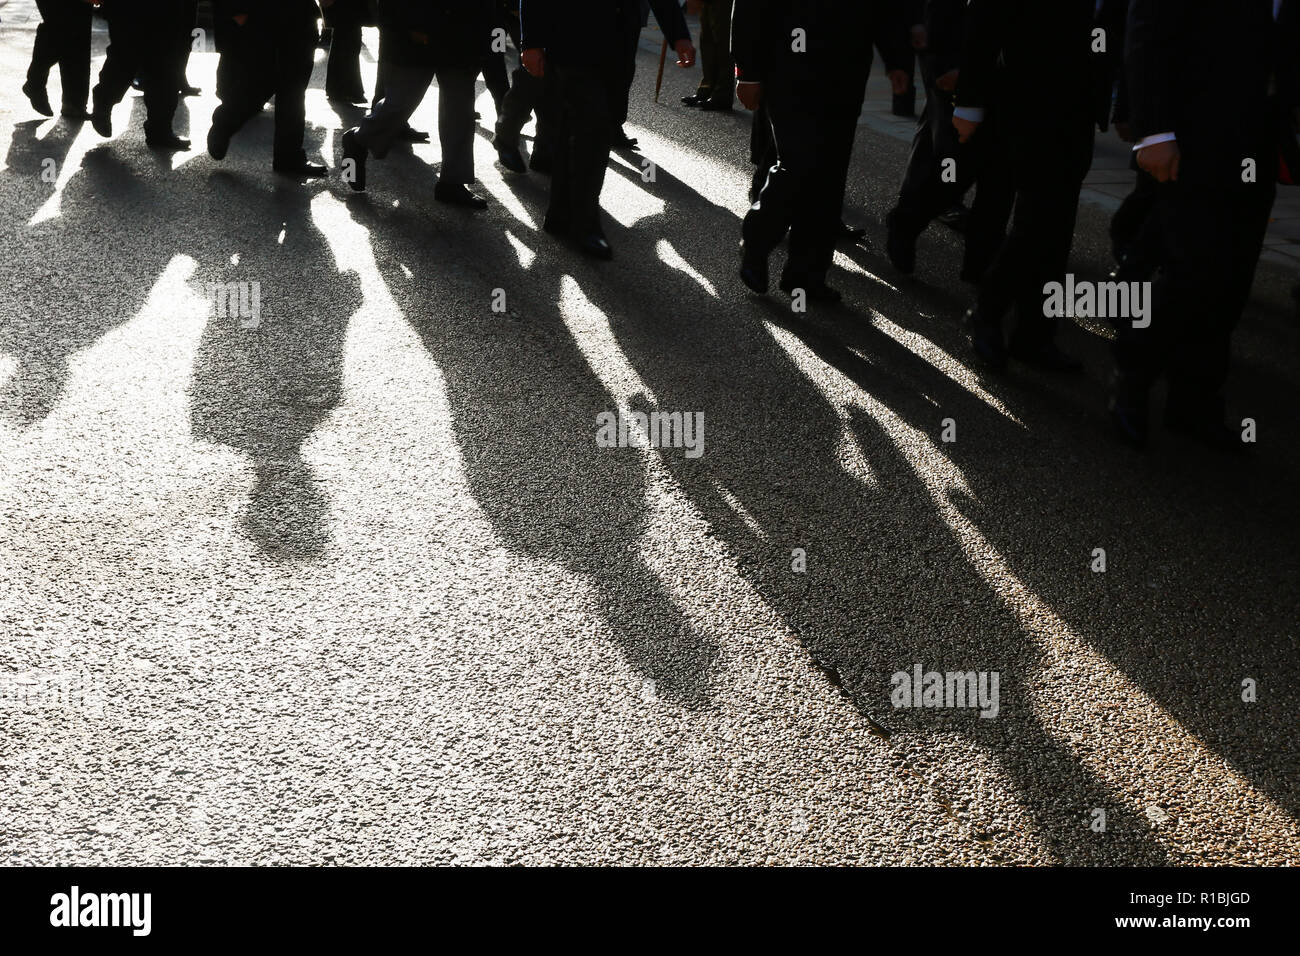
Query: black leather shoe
[
  {"x": 695, "y": 99},
  {"x": 815, "y": 290},
  {"x": 712, "y": 106},
  {"x": 138, "y": 85},
  {"x": 1127, "y": 407},
  {"x": 357, "y": 153},
  {"x": 457, "y": 194},
  {"x": 900, "y": 249},
  {"x": 102, "y": 121},
  {"x": 409, "y": 134},
  {"x": 1047, "y": 356},
  {"x": 187, "y": 89},
  {"x": 621, "y": 140},
  {"x": 596, "y": 246},
  {"x": 986, "y": 341},
  {"x": 168, "y": 142},
  {"x": 39, "y": 99},
  {"x": 218, "y": 142},
  {"x": 75, "y": 114},
  {"x": 512, "y": 160},
  {"x": 303, "y": 170},
  {"x": 753, "y": 271}
]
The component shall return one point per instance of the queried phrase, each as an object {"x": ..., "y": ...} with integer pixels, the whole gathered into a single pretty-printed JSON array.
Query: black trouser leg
[
  {"x": 497, "y": 78},
  {"x": 516, "y": 108},
  {"x": 63, "y": 37},
  {"x": 795, "y": 142},
  {"x": 123, "y": 58},
  {"x": 343, "y": 70},
  {"x": 1037, "y": 249},
  {"x": 586, "y": 100},
  {"x": 1035, "y": 252},
  {"x": 925, "y": 193},
  {"x": 294, "y": 52},
  {"x": 185, "y": 38},
  {"x": 45, "y": 50},
  {"x": 404, "y": 90},
  {"x": 160, "y": 71},
  {"x": 1211, "y": 240},
  {"x": 717, "y": 78},
  {"x": 995, "y": 196},
  {"x": 245, "y": 79},
  {"x": 812, "y": 238},
  {"x": 456, "y": 125},
  {"x": 618, "y": 108}
]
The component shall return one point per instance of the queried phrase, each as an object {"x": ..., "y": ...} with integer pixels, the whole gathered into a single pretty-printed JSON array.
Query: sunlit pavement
[{"x": 347, "y": 578}]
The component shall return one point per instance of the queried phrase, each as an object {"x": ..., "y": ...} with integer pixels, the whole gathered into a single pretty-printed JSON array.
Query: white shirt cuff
[
  {"x": 1146, "y": 141},
  {"x": 974, "y": 114}
]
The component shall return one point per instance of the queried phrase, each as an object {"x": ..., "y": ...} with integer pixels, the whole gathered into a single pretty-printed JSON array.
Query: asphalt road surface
[{"x": 346, "y": 578}]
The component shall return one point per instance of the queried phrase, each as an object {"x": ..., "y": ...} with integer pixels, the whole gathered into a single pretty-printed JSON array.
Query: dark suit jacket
[
  {"x": 592, "y": 32},
  {"x": 839, "y": 36},
  {"x": 945, "y": 25},
  {"x": 279, "y": 12},
  {"x": 1203, "y": 70},
  {"x": 1034, "y": 63},
  {"x": 459, "y": 32}
]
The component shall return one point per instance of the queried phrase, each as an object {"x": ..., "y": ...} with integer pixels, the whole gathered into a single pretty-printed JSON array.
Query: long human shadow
[
  {"x": 776, "y": 447},
  {"x": 524, "y": 403},
  {"x": 682, "y": 346},
  {"x": 1012, "y": 489},
  {"x": 91, "y": 267},
  {"x": 264, "y": 379},
  {"x": 1205, "y": 545}
]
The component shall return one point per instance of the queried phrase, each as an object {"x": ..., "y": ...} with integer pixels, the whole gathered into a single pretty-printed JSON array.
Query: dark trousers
[
  {"x": 185, "y": 37},
  {"x": 404, "y": 88},
  {"x": 803, "y": 193},
  {"x": 1037, "y": 248},
  {"x": 274, "y": 59},
  {"x": 925, "y": 194},
  {"x": 1211, "y": 239},
  {"x": 496, "y": 77},
  {"x": 63, "y": 38},
  {"x": 628, "y": 44},
  {"x": 496, "y": 69},
  {"x": 142, "y": 42},
  {"x": 717, "y": 72},
  {"x": 527, "y": 95},
  {"x": 343, "y": 70},
  {"x": 586, "y": 100}
]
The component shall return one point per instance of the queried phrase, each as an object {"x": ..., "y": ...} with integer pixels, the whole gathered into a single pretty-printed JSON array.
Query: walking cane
[{"x": 659, "y": 80}]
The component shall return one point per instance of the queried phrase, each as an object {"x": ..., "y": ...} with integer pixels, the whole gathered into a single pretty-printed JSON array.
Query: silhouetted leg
[
  {"x": 456, "y": 125},
  {"x": 294, "y": 58},
  {"x": 585, "y": 99},
  {"x": 343, "y": 71},
  {"x": 404, "y": 89}
]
